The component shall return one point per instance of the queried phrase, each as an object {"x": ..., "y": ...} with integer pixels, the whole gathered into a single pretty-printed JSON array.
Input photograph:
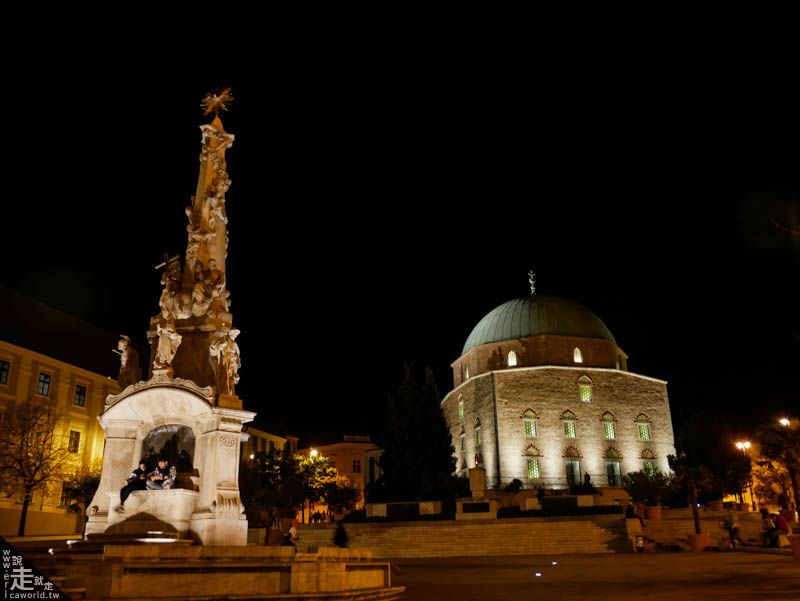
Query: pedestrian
[{"x": 136, "y": 481}]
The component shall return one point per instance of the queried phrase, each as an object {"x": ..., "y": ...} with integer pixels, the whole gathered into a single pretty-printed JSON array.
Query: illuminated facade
[
  {"x": 543, "y": 394},
  {"x": 40, "y": 349}
]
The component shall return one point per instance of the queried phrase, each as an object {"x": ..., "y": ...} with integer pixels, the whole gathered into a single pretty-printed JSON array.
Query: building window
[
  {"x": 609, "y": 429},
  {"x": 533, "y": 468},
  {"x": 466, "y": 372},
  {"x": 613, "y": 473},
  {"x": 573, "y": 469},
  {"x": 643, "y": 425},
  {"x": 512, "y": 358},
  {"x": 649, "y": 468},
  {"x": 478, "y": 433},
  {"x": 577, "y": 357},
  {"x": 5, "y": 366},
  {"x": 529, "y": 421},
  {"x": 568, "y": 418},
  {"x": 460, "y": 407},
  {"x": 463, "y": 441},
  {"x": 43, "y": 385},
  {"x": 585, "y": 389},
  {"x": 356, "y": 466},
  {"x": 65, "y": 500},
  {"x": 74, "y": 441},
  {"x": 80, "y": 395}
]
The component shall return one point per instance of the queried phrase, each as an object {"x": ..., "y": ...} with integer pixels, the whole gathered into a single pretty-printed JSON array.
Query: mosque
[{"x": 542, "y": 393}]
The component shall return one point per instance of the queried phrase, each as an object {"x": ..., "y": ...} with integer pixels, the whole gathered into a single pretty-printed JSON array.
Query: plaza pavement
[{"x": 712, "y": 576}]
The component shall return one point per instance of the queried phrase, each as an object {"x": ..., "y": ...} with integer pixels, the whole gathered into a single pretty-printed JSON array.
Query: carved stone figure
[
  {"x": 128, "y": 362},
  {"x": 171, "y": 301},
  {"x": 209, "y": 285},
  {"x": 225, "y": 361},
  {"x": 168, "y": 342}
]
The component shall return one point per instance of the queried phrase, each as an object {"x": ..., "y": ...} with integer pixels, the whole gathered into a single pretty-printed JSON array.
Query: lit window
[
  {"x": 466, "y": 372},
  {"x": 5, "y": 366},
  {"x": 585, "y": 389},
  {"x": 460, "y": 407},
  {"x": 609, "y": 430},
  {"x": 569, "y": 424},
  {"x": 43, "y": 385},
  {"x": 356, "y": 466},
  {"x": 577, "y": 357},
  {"x": 533, "y": 468},
  {"x": 530, "y": 427},
  {"x": 650, "y": 468},
  {"x": 477, "y": 435},
  {"x": 463, "y": 439},
  {"x": 74, "y": 441},
  {"x": 512, "y": 358},
  {"x": 80, "y": 395},
  {"x": 643, "y": 425}
]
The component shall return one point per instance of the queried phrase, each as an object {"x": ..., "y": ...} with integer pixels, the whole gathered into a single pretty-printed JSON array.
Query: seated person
[
  {"x": 136, "y": 481},
  {"x": 163, "y": 477},
  {"x": 778, "y": 526}
]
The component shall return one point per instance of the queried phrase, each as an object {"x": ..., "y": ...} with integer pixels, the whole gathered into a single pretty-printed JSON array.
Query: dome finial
[{"x": 532, "y": 281}]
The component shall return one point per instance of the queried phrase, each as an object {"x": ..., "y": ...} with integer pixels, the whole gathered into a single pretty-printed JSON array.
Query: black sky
[{"x": 379, "y": 209}]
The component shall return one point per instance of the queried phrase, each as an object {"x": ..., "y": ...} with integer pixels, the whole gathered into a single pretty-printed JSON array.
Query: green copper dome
[{"x": 536, "y": 315}]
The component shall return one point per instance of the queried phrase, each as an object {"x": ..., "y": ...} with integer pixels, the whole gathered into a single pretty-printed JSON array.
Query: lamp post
[
  {"x": 784, "y": 421},
  {"x": 744, "y": 446}
]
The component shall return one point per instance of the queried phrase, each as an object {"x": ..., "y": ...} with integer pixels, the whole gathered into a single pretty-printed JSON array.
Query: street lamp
[
  {"x": 743, "y": 446},
  {"x": 784, "y": 422},
  {"x": 314, "y": 453}
]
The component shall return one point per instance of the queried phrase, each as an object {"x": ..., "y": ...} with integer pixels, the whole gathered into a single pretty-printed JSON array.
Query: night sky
[{"x": 376, "y": 214}]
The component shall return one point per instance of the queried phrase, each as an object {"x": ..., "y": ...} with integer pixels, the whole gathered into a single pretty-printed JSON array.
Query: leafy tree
[
  {"x": 341, "y": 495},
  {"x": 79, "y": 489},
  {"x": 418, "y": 460},
  {"x": 696, "y": 481},
  {"x": 32, "y": 454},
  {"x": 271, "y": 483},
  {"x": 781, "y": 445},
  {"x": 646, "y": 488}
]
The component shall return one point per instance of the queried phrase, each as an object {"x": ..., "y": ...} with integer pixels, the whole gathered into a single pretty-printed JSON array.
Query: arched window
[
  {"x": 529, "y": 424},
  {"x": 609, "y": 428},
  {"x": 571, "y": 451},
  {"x": 477, "y": 433},
  {"x": 532, "y": 451},
  {"x": 512, "y": 358},
  {"x": 466, "y": 372},
  {"x": 585, "y": 389},
  {"x": 460, "y": 406},
  {"x": 568, "y": 419},
  {"x": 612, "y": 453},
  {"x": 462, "y": 445},
  {"x": 577, "y": 356},
  {"x": 643, "y": 426},
  {"x": 648, "y": 461}
]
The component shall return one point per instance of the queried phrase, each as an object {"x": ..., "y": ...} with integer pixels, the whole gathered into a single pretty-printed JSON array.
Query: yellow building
[
  {"x": 48, "y": 355},
  {"x": 355, "y": 457},
  {"x": 261, "y": 441}
]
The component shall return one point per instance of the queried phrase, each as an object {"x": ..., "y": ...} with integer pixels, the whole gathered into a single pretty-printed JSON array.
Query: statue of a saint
[
  {"x": 225, "y": 361},
  {"x": 128, "y": 362},
  {"x": 209, "y": 285},
  {"x": 168, "y": 342}
]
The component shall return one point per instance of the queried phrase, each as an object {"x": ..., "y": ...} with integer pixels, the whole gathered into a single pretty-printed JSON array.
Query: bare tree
[{"x": 32, "y": 452}]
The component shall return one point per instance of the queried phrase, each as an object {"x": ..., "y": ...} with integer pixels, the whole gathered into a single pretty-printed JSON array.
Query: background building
[
  {"x": 543, "y": 394},
  {"x": 49, "y": 355},
  {"x": 355, "y": 457}
]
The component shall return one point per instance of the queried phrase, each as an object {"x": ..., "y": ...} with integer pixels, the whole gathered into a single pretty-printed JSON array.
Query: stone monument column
[
  {"x": 123, "y": 446},
  {"x": 219, "y": 518}
]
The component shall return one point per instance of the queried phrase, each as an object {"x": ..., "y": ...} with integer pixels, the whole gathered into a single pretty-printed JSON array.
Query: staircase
[{"x": 459, "y": 539}]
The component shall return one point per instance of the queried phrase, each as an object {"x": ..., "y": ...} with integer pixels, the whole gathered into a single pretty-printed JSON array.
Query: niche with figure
[{"x": 173, "y": 442}]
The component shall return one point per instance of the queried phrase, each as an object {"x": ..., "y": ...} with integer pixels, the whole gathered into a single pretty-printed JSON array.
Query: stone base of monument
[
  {"x": 476, "y": 509},
  {"x": 180, "y": 572}
]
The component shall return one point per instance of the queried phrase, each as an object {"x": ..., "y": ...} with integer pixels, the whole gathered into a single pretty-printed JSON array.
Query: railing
[{"x": 600, "y": 480}]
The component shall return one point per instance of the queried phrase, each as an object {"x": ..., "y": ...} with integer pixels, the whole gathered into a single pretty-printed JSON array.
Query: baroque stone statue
[
  {"x": 168, "y": 342},
  {"x": 225, "y": 361},
  {"x": 128, "y": 362}
]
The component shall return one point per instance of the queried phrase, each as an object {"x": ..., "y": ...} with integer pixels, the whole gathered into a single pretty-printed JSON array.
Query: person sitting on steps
[
  {"x": 163, "y": 477},
  {"x": 136, "y": 481}
]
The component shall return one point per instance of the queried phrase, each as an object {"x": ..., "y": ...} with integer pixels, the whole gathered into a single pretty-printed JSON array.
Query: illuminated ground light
[
  {"x": 538, "y": 574},
  {"x": 555, "y": 563}
]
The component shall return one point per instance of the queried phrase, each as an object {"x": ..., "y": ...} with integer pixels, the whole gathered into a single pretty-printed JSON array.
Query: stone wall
[{"x": 549, "y": 392}]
